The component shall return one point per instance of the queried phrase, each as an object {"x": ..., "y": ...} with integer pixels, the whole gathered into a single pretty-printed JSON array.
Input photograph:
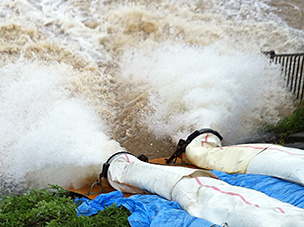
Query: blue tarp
[
  {"x": 153, "y": 210},
  {"x": 146, "y": 210},
  {"x": 279, "y": 189}
]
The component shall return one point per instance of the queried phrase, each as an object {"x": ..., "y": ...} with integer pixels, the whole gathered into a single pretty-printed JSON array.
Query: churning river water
[{"x": 80, "y": 79}]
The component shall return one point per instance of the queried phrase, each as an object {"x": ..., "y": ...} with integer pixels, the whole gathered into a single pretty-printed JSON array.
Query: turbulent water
[{"x": 80, "y": 80}]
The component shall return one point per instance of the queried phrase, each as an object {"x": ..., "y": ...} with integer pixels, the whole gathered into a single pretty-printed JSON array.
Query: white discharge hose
[
  {"x": 205, "y": 151},
  {"x": 201, "y": 195}
]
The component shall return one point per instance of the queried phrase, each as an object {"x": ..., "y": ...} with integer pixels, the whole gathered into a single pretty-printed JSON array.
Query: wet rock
[
  {"x": 295, "y": 145},
  {"x": 296, "y": 138}
]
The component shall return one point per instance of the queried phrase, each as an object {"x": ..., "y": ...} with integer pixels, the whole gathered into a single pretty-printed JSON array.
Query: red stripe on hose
[
  {"x": 280, "y": 209},
  {"x": 206, "y": 140},
  {"x": 284, "y": 151},
  {"x": 248, "y": 146},
  {"x": 128, "y": 160},
  {"x": 267, "y": 148},
  {"x": 230, "y": 193}
]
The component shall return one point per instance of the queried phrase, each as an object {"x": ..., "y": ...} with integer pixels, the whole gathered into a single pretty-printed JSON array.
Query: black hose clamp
[
  {"x": 106, "y": 165},
  {"x": 182, "y": 144}
]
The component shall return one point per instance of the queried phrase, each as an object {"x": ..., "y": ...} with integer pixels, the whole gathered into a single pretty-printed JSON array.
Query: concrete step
[
  {"x": 295, "y": 145},
  {"x": 296, "y": 138}
]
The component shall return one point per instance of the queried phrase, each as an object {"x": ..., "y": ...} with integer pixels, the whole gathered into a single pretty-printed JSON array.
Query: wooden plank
[{"x": 93, "y": 192}]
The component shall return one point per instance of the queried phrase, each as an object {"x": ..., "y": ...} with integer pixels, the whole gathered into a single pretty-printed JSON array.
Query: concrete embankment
[{"x": 295, "y": 140}]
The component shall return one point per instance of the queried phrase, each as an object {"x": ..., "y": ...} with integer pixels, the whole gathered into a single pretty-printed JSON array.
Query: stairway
[{"x": 295, "y": 140}]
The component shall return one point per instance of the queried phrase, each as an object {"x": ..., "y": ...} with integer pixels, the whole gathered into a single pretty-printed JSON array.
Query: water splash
[
  {"x": 47, "y": 136},
  {"x": 191, "y": 87},
  {"x": 144, "y": 73}
]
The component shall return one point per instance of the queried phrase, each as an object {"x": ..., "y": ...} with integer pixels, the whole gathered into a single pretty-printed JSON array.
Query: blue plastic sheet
[
  {"x": 282, "y": 190},
  {"x": 146, "y": 210},
  {"x": 153, "y": 210}
]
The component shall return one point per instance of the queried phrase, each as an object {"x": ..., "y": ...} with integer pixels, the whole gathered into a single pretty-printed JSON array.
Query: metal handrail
[{"x": 292, "y": 70}]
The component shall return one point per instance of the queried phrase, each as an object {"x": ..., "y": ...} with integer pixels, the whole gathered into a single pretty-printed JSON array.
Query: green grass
[
  {"x": 40, "y": 207},
  {"x": 291, "y": 124}
]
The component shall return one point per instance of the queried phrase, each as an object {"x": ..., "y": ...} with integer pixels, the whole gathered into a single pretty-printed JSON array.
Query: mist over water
[{"x": 80, "y": 80}]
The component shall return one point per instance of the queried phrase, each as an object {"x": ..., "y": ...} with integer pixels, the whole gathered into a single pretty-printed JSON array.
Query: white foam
[
  {"x": 190, "y": 88},
  {"x": 199, "y": 61},
  {"x": 47, "y": 137}
]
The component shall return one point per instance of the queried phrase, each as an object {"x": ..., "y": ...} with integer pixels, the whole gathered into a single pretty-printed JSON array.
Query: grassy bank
[
  {"x": 41, "y": 207},
  {"x": 291, "y": 124}
]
